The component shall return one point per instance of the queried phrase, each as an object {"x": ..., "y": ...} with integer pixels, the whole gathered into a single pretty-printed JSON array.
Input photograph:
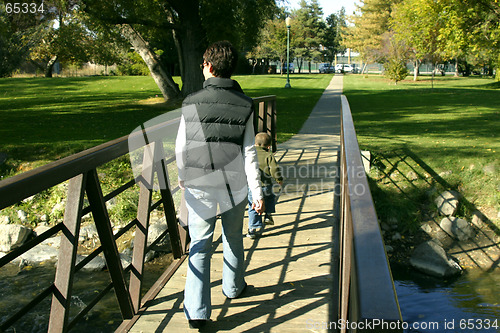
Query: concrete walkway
[
  {"x": 322, "y": 128},
  {"x": 289, "y": 269}
]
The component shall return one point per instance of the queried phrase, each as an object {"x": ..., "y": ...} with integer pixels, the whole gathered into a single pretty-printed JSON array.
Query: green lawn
[
  {"x": 45, "y": 119},
  {"x": 454, "y": 128}
]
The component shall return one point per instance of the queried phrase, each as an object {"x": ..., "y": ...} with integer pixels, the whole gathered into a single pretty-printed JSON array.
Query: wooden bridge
[{"x": 321, "y": 264}]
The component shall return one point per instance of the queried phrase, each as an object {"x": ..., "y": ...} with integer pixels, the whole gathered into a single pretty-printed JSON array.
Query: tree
[
  {"x": 395, "y": 69},
  {"x": 69, "y": 43},
  {"x": 449, "y": 30},
  {"x": 396, "y": 56},
  {"x": 19, "y": 33},
  {"x": 332, "y": 37},
  {"x": 58, "y": 30},
  {"x": 459, "y": 30},
  {"x": 416, "y": 23},
  {"x": 193, "y": 25},
  {"x": 472, "y": 31},
  {"x": 453, "y": 31},
  {"x": 107, "y": 47},
  {"x": 309, "y": 28},
  {"x": 52, "y": 30},
  {"x": 370, "y": 24},
  {"x": 272, "y": 41},
  {"x": 12, "y": 50}
]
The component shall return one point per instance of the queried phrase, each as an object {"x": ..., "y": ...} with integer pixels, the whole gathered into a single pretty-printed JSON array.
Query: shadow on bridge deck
[{"x": 290, "y": 269}]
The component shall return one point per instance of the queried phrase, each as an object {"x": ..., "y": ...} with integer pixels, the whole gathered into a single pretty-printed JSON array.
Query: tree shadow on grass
[
  {"x": 494, "y": 85},
  {"x": 50, "y": 134}
]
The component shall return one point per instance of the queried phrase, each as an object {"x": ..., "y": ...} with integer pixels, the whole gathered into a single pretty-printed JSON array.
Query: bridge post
[
  {"x": 103, "y": 226},
  {"x": 61, "y": 298},
  {"x": 265, "y": 117},
  {"x": 273, "y": 132},
  {"x": 141, "y": 231},
  {"x": 168, "y": 203}
]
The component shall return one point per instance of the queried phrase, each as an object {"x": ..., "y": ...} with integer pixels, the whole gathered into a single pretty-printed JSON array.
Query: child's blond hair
[{"x": 263, "y": 139}]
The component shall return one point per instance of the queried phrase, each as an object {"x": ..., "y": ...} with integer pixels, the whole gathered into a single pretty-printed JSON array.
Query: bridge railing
[
  {"x": 265, "y": 117},
  {"x": 366, "y": 288},
  {"x": 81, "y": 170}
]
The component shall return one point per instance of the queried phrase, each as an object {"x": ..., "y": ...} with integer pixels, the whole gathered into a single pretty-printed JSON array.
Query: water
[
  {"x": 17, "y": 288},
  {"x": 427, "y": 304},
  {"x": 469, "y": 303}
]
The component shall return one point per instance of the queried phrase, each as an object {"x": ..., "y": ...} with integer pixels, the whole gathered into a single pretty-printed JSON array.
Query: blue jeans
[
  {"x": 202, "y": 210},
  {"x": 254, "y": 219}
]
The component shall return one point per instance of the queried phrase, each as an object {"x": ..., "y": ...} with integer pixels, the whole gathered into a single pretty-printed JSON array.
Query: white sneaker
[{"x": 253, "y": 233}]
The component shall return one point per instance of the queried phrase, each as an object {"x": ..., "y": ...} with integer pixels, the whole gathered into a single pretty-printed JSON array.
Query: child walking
[{"x": 269, "y": 170}]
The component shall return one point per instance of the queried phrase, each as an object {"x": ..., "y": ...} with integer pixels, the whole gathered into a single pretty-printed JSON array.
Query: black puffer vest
[{"x": 216, "y": 118}]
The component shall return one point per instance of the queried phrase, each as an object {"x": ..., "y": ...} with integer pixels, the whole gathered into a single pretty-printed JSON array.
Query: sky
[{"x": 330, "y": 6}]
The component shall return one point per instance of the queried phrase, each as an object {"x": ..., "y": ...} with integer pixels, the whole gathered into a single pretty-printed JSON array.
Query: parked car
[
  {"x": 326, "y": 68},
  {"x": 348, "y": 68},
  {"x": 285, "y": 67},
  {"x": 345, "y": 68}
]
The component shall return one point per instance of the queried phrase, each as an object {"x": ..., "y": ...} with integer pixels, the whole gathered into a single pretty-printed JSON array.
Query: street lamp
[{"x": 288, "y": 23}]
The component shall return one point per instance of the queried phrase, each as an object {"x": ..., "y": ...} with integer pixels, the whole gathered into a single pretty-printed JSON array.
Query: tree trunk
[
  {"x": 364, "y": 68},
  {"x": 457, "y": 74},
  {"x": 192, "y": 55},
  {"x": 169, "y": 89},
  {"x": 190, "y": 40},
  {"x": 254, "y": 63},
  {"x": 497, "y": 74},
  {"x": 416, "y": 70},
  {"x": 433, "y": 73},
  {"x": 50, "y": 66},
  {"x": 178, "y": 48}
]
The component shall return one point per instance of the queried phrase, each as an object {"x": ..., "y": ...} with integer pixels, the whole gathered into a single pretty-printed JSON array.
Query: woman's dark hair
[{"x": 223, "y": 57}]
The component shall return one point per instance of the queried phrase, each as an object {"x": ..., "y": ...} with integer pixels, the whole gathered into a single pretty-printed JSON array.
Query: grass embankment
[
  {"x": 453, "y": 128},
  {"x": 43, "y": 120}
]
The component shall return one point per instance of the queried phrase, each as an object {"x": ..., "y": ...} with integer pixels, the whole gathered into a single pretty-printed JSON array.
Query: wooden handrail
[{"x": 367, "y": 288}]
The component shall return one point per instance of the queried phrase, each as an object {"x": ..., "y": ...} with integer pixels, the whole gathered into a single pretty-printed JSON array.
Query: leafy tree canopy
[{"x": 433, "y": 30}]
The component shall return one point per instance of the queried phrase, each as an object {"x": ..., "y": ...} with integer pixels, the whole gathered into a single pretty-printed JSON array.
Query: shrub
[
  {"x": 133, "y": 65},
  {"x": 395, "y": 70}
]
